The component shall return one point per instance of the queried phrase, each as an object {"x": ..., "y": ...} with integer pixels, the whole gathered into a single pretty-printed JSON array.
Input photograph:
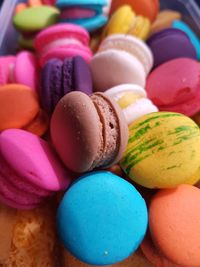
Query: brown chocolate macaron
[{"x": 88, "y": 132}]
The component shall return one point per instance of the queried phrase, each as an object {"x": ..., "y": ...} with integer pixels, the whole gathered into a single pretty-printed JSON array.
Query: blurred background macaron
[{"x": 169, "y": 44}]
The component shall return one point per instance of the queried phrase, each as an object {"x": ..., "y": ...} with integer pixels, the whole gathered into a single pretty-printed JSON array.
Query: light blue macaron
[
  {"x": 102, "y": 218},
  {"x": 178, "y": 24}
]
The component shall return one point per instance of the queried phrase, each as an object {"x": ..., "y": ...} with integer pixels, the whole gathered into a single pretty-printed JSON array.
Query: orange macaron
[
  {"x": 147, "y": 8},
  {"x": 19, "y": 106},
  {"x": 174, "y": 223}
]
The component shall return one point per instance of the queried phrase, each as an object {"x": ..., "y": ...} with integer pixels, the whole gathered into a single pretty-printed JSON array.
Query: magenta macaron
[
  {"x": 62, "y": 41},
  {"x": 29, "y": 170}
]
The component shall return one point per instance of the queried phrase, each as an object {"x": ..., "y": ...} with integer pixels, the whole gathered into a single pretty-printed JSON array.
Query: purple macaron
[
  {"x": 169, "y": 44},
  {"x": 61, "y": 77}
]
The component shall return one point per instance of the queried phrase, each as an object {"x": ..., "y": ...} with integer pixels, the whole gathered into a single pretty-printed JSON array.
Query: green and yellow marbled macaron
[{"x": 163, "y": 150}]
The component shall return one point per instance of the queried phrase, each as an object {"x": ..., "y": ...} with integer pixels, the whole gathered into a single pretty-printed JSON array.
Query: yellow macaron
[
  {"x": 163, "y": 150},
  {"x": 125, "y": 21}
]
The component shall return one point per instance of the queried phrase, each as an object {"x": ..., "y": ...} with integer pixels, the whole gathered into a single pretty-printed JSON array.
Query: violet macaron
[
  {"x": 30, "y": 170},
  {"x": 88, "y": 132},
  {"x": 61, "y": 77},
  {"x": 169, "y": 44}
]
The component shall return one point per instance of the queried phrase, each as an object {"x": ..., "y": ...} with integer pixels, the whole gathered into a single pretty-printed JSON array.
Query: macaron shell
[
  {"x": 120, "y": 21},
  {"x": 19, "y": 105},
  {"x": 131, "y": 45},
  {"x": 51, "y": 84},
  {"x": 162, "y": 151},
  {"x": 26, "y": 75},
  {"x": 6, "y": 63},
  {"x": 128, "y": 69},
  {"x": 177, "y": 221},
  {"x": 64, "y": 52},
  {"x": 147, "y": 8},
  {"x": 168, "y": 90},
  {"x": 62, "y": 30},
  {"x": 169, "y": 44},
  {"x": 193, "y": 37},
  {"x": 101, "y": 190},
  {"x": 27, "y": 150},
  {"x": 36, "y": 18}
]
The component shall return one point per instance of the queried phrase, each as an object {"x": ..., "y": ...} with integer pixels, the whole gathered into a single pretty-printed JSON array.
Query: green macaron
[{"x": 36, "y": 18}]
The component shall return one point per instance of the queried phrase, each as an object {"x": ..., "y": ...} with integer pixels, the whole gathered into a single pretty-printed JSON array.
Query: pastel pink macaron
[
  {"x": 29, "y": 170},
  {"x": 61, "y": 41},
  {"x": 175, "y": 86},
  {"x": 22, "y": 69}
]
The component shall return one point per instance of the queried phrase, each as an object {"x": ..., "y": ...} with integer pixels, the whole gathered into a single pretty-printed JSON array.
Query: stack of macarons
[
  {"x": 86, "y": 13},
  {"x": 31, "y": 18},
  {"x": 62, "y": 41}
]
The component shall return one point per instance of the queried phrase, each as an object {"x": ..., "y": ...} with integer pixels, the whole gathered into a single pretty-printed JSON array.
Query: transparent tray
[{"x": 8, "y": 35}]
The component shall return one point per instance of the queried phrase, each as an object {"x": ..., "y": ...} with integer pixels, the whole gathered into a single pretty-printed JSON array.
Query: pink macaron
[
  {"x": 22, "y": 69},
  {"x": 175, "y": 86},
  {"x": 29, "y": 169},
  {"x": 61, "y": 41}
]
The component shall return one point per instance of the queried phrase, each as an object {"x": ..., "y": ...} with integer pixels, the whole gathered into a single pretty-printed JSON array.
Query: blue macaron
[
  {"x": 178, "y": 24},
  {"x": 97, "y": 20},
  {"x": 102, "y": 218}
]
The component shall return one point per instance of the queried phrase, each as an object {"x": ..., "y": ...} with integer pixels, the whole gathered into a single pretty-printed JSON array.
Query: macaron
[
  {"x": 24, "y": 182},
  {"x": 61, "y": 41},
  {"x": 179, "y": 223},
  {"x": 88, "y": 132},
  {"x": 7, "y": 222},
  {"x": 131, "y": 57},
  {"x": 165, "y": 19},
  {"x": 169, "y": 44},
  {"x": 33, "y": 239},
  {"x": 178, "y": 24},
  {"x": 147, "y": 8},
  {"x": 22, "y": 69},
  {"x": 162, "y": 150},
  {"x": 125, "y": 21},
  {"x": 72, "y": 74},
  {"x": 108, "y": 205},
  {"x": 133, "y": 101},
  {"x": 174, "y": 86},
  {"x": 33, "y": 19},
  {"x": 86, "y": 13},
  {"x": 19, "y": 106},
  {"x": 132, "y": 45}
]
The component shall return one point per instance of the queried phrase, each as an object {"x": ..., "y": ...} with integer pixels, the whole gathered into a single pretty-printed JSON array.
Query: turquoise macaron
[
  {"x": 102, "y": 219},
  {"x": 76, "y": 11},
  {"x": 178, "y": 24}
]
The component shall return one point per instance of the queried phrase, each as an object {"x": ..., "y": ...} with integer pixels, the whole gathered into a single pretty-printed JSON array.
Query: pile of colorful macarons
[{"x": 100, "y": 137}]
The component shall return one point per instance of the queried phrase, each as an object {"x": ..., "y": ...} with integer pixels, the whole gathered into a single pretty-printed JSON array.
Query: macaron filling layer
[
  {"x": 110, "y": 142},
  {"x": 77, "y": 13}
]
